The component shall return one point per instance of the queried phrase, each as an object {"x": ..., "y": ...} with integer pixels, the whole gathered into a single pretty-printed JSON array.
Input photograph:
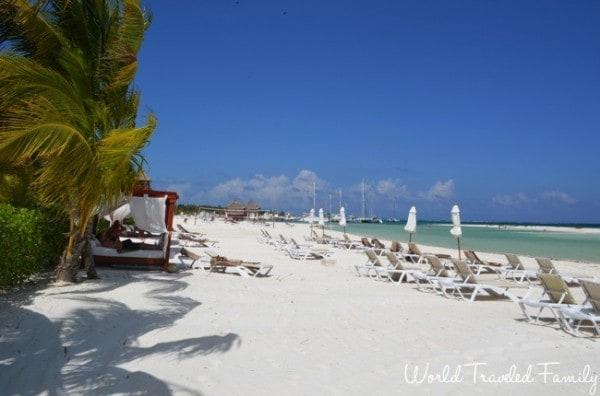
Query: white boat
[
  {"x": 367, "y": 220},
  {"x": 363, "y": 218}
]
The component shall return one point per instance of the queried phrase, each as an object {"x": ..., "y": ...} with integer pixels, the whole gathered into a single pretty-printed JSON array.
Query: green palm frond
[
  {"x": 29, "y": 29},
  {"x": 66, "y": 99}
]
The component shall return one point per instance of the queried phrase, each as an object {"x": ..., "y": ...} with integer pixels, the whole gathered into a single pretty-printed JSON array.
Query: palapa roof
[
  {"x": 235, "y": 205},
  {"x": 252, "y": 206},
  {"x": 143, "y": 176}
]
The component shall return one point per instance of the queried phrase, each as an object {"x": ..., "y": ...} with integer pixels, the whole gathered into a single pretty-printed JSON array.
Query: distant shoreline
[{"x": 535, "y": 228}]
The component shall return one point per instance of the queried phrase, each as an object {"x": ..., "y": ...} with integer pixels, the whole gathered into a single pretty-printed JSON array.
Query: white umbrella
[
  {"x": 456, "y": 231},
  {"x": 311, "y": 220},
  {"x": 411, "y": 223},
  {"x": 322, "y": 221},
  {"x": 343, "y": 218}
]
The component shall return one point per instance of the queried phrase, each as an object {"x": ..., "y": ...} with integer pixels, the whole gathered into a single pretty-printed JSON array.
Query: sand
[{"x": 306, "y": 329}]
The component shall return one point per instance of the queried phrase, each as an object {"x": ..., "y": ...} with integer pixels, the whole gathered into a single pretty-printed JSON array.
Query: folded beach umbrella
[
  {"x": 343, "y": 218},
  {"x": 322, "y": 220},
  {"x": 456, "y": 231},
  {"x": 411, "y": 223}
]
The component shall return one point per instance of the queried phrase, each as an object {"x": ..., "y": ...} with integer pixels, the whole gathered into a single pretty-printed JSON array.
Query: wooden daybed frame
[{"x": 163, "y": 262}]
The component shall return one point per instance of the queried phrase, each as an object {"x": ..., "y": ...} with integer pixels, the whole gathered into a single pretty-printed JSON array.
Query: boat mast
[
  {"x": 314, "y": 195},
  {"x": 363, "y": 202}
]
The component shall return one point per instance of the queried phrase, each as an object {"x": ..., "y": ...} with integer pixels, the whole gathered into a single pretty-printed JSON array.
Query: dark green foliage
[
  {"x": 102, "y": 226},
  {"x": 31, "y": 240}
]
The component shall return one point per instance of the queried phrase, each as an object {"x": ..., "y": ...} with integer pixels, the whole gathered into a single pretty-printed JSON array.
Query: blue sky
[{"x": 493, "y": 105}]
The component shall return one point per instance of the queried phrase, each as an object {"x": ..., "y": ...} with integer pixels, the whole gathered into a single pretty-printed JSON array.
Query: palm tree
[{"x": 67, "y": 104}]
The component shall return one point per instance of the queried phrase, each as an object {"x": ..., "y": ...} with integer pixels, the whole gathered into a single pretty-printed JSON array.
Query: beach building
[{"x": 239, "y": 211}]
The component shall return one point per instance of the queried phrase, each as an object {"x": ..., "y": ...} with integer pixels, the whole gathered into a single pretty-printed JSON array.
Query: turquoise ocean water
[{"x": 560, "y": 245}]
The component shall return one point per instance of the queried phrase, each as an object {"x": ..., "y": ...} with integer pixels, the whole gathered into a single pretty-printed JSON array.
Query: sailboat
[
  {"x": 363, "y": 206},
  {"x": 393, "y": 219},
  {"x": 310, "y": 217}
]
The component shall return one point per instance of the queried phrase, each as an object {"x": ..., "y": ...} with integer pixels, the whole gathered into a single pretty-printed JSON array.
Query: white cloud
[
  {"x": 305, "y": 180},
  {"x": 510, "y": 199},
  {"x": 392, "y": 188},
  {"x": 440, "y": 190},
  {"x": 231, "y": 188},
  {"x": 269, "y": 191},
  {"x": 559, "y": 196}
]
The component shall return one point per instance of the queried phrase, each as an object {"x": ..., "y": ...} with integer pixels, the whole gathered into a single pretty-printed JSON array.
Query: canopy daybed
[{"x": 153, "y": 212}]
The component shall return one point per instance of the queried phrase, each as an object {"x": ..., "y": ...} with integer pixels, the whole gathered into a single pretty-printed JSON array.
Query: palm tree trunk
[
  {"x": 88, "y": 258},
  {"x": 69, "y": 263}
]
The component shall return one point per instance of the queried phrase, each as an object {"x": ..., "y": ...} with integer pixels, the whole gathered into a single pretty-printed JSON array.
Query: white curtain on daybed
[
  {"x": 149, "y": 213},
  {"x": 119, "y": 214}
]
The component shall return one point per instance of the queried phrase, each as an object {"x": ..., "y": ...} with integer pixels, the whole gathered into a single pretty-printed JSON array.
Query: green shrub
[
  {"x": 102, "y": 226},
  {"x": 31, "y": 240}
]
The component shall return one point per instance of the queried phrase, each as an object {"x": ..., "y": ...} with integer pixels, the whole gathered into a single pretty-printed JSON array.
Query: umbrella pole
[
  {"x": 458, "y": 240},
  {"x": 323, "y": 230},
  {"x": 344, "y": 230},
  {"x": 410, "y": 237}
]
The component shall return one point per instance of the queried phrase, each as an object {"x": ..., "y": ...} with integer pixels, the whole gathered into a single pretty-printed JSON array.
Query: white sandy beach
[{"x": 305, "y": 329}]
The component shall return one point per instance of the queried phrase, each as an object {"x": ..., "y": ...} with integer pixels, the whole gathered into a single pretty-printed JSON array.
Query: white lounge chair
[
  {"x": 438, "y": 276},
  {"x": 478, "y": 265},
  {"x": 556, "y": 295},
  {"x": 547, "y": 267},
  {"x": 304, "y": 252},
  {"x": 575, "y": 317},
  {"x": 397, "y": 272},
  {"x": 478, "y": 287},
  {"x": 240, "y": 267},
  {"x": 367, "y": 269},
  {"x": 348, "y": 243},
  {"x": 516, "y": 270}
]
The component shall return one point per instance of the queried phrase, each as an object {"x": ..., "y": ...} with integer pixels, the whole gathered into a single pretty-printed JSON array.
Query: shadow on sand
[{"x": 82, "y": 352}]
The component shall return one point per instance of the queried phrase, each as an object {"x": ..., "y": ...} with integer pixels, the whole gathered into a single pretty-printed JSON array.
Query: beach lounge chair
[
  {"x": 349, "y": 243},
  {"x": 325, "y": 239},
  {"x": 547, "y": 267},
  {"x": 480, "y": 265},
  {"x": 377, "y": 244},
  {"x": 241, "y": 267},
  {"x": 263, "y": 237},
  {"x": 575, "y": 317},
  {"x": 416, "y": 256},
  {"x": 479, "y": 287},
  {"x": 396, "y": 272},
  {"x": 516, "y": 270},
  {"x": 366, "y": 269},
  {"x": 304, "y": 252},
  {"x": 267, "y": 238},
  {"x": 438, "y": 276},
  {"x": 414, "y": 249},
  {"x": 195, "y": 259},
  {"x": 438, "y": 271},
  {"x": 398, "y": 250},
  {"x": 185, "y": 230},
  {"x": 556, "y": 296},
  {"x": 188, "y": 240},
  {"x": 368, "y": 245},
  {"x": 282, "y": 243},
  {"x": 376, "y": 269}
]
